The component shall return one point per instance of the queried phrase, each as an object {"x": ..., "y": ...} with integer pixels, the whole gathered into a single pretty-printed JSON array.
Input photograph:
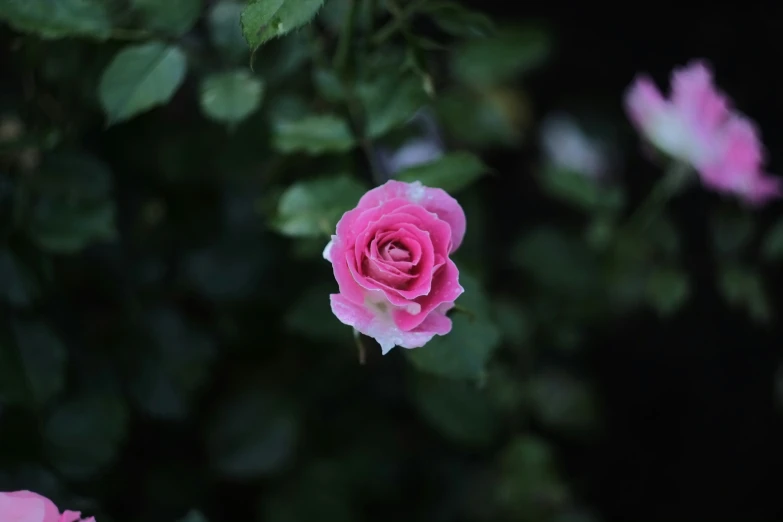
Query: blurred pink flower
[
  {"x": 26, "y": 506},
  {"x": 697, "y": 126}
]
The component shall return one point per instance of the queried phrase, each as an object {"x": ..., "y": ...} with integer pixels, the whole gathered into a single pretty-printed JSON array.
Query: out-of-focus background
[{"x": 167, "y": 351}]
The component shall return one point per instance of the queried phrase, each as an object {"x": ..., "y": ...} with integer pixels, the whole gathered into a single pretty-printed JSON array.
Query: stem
[
  {"x": 346, "y": 35},
  {"x": 672, "y": 181},
  {"x": 399, "y": 20}
]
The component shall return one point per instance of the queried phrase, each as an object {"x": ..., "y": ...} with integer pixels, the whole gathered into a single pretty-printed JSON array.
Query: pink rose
[
  {"x": 697, "y": 126},
  {"x": 391, "y": 260},
  {"x": 26, "y": 506}
]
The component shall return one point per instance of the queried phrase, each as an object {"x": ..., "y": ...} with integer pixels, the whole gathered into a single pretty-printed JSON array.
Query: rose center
[{"x": 394, "y": 251}]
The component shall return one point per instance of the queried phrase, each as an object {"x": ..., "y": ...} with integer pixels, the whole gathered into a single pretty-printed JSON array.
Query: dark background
[{"x": 693, "y": 424}]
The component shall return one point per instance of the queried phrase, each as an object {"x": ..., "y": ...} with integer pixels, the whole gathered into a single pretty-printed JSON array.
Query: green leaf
[
  {"x": 83, "y": 435},
  {"x": 174, "y": 17},
  {"x": 313, "y": 135},
  {"x": 581, "y": 191},
  {"x": 35, "y": 369},
  {"x": 491, "y": 61},
  {"x": 465, "y": 351},
  {"x": 390, "y": 100},
  {"x": 451, "y": 172},
  {"x": 668, "y": 290},
  {"x": 230, "y": 97},
  {"x": 459, "y": 21},
  {"x": 140, "y": 77},
  {"x": 54, "y": 19},
  {"x": 458, "y": 409},
  {"x": 16, "y": 283},
  {"x": 263, "y": 20},
  {"x": 225, "y": 30},
  {"x": 772, "y": 246},
  {"x": 171, "y": 367},
  {"x": 73, "y": 208},
  {"x": 742, "y": 287},
  {"x": 251, "y": 435},
  {"x": 312, "y": 208}
]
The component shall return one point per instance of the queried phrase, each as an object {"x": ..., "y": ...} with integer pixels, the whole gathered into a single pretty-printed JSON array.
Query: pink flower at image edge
[
  {"x": 390, "y": 256},
  {"x": 696, "y": 125},
  {"x": 26, "y": 506}
]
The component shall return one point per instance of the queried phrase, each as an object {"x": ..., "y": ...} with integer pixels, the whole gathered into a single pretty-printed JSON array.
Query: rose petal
[
  {"x": 377, "y": 323},
  {"x": 434, "y": 200},
  {"x": 26, "y": 506},
  {"x": 445, "y": 289}
]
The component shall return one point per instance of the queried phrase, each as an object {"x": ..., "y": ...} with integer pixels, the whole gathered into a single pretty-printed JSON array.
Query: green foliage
[
  {"x": 174, "y": 17},
  {"x": 139, "y": 78},
  {"x": 312, "y": 208},
  {"x": 263, "y": 20},
  {"x": 167, "y": 344},
  {"x": 60, "y": 19},
  {"x": 313, "y": 135},
  {"x": 451, "y": 172},
  {"x": 231, "y": 97}
]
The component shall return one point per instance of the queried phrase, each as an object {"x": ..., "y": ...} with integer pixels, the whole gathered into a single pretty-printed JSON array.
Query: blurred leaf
[
  {"x": 731, "y": 231},
  {"x": 263, "y": 20},
  {"x": 451, "y": 172},
  {"x": 171, "y": 368},
  {"x": 139, "y": 78},
  {"x": 232, "y": 96},
  {"x": 251, "y": 435},
  {"x": 459, "y": 21},
  {"x": 225, "y": 29},
  {"x": 668, "y": 290},
  {"x": 311, "y": 317},
  {"x": 83, "y": 434},
  {"x": 555, "y": 260},
  {"x": 743, "y": 287},
  {"x": 529, "y": 486},
  {"x": 491, "y": 61},
  {"x": 506, "y": 391},
  {"x": 458, "y": 409},
  {"x": 16, "y": 284},
  {"x": 174, "y": 17},
  {"x": 312, "y": 208},
  {"x": 562, "y": 402},
  {"x": 328, "y": 84},
  {"x": 35, "y": 369},
  {"x": 579, "y": 190},
  {"x": 464, "y": 352},
  {"x": 772, "y": 245},
  {"x": 73, "y": 208},
  {"x": 313, "y": 135},
  {"x": 390, "y": 100},
  {"x": 334, "y": 13},
  {"x": 489, "y": 118},
  {"x": 58, "y": 19}
]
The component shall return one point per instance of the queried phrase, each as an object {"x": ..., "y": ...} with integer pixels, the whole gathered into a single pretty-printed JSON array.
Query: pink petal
[
  {"x": 445, "y": 289},
  {"x": 434, "y": 200},
  {"x": 697, "y": 100},
  {"x": 644, "y": 103},
  {"x": 26, "y": 506},
  {"x": 378, "y": 324}
]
